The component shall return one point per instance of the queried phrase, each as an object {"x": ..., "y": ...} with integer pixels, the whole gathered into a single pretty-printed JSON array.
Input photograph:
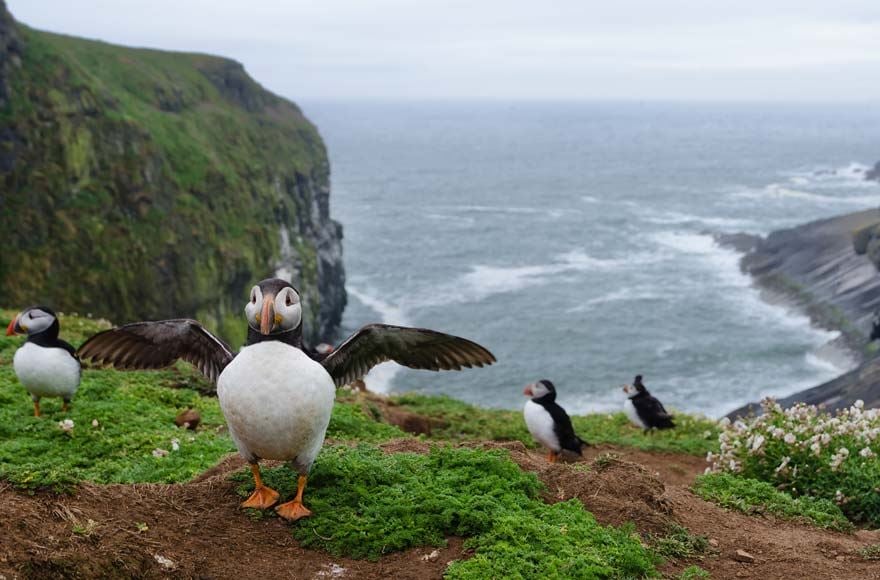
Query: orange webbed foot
[
  {"x": 262, "y": 498},
  {"x": 293, "y": 510}
]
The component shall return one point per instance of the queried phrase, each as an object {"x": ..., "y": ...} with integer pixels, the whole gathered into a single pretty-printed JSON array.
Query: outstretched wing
[
  {"x": 155, "y": 345},
  {"x": 416, "y": 348}
]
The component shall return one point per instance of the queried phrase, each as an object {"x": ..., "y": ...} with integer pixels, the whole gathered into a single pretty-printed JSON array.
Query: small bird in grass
[
  {"x": 46, "y": 365},
  {"x": 643, "y": 409},
  {"x": 276, "y": 399},
  {"x": 548, "y": 423}
]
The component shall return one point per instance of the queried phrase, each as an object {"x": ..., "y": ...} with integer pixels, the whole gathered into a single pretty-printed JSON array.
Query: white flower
[
  {"x": 724, "y": 422},
  {"x": 816, "y": 448},
  {"x": 175, "y": 445},
  {"x": 159, "y": 452},
  {"x": 790, "y": 438},
  {"x": 95, "y": 423},
  {"x": 785, "y": 461},
  {"x": 66, "y": 425},
  {"x": 859, "y": 404},
  {"x": 866, "y": 453},
  {"x": 757, "y": 442}
]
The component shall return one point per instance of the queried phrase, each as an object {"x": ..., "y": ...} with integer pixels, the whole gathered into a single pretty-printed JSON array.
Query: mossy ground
[
  {"x": 366, "y": 502},
  {"x": 458, "y": 421},
  {"x": 753, "y": 496}
]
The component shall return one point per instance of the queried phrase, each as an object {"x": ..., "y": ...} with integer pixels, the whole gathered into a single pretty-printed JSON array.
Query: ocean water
[{"x": 574, "y": 240}]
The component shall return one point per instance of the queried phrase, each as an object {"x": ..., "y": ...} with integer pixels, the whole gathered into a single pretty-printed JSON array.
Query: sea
[{"x": 575, "y": 240}]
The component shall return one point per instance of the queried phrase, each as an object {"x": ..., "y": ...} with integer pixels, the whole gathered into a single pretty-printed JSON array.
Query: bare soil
[{"x": 197, "y": 530}]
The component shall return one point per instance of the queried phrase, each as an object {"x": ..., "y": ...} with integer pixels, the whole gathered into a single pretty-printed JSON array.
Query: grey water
[{"x": 574, "y": 240}]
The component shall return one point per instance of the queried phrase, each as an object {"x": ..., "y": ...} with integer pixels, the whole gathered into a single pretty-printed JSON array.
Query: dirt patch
[
  {"x": 197, "y": 530},
  {"x": 189, "y": 531}
]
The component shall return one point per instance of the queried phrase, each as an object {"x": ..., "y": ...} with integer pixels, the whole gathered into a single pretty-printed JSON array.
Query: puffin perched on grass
[
  {"x": 46, "y": 365},
  {"x": 643, "y": 409},
  {"x": 548, "y": 423},
  {"x": 276, "y": 399}
]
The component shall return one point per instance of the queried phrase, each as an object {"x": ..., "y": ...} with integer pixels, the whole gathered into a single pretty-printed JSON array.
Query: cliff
[
  {"x": 141, "y": 184},
  {"x": 816, "y": 267}
]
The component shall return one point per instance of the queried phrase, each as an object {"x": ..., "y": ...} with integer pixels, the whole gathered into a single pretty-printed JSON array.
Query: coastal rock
[
  {"x": 141, "y": 184},
  {"x": 873, "y": 174},
  {"x": 815, "y": 266}
]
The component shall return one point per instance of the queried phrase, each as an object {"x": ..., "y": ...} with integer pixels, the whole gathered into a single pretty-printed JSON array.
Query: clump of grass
[
  {"x": 754, "y": 496},
  {"x": 367, "y": 503},
  {"x": 694, "y": 573},
  {"x": 460, "y": 421},
  {"x": 135, "y": 415},
  {"x": 351, "y": 421},
  {"x": 679, "y": 543},
  {"x": 871, "y": 552}
]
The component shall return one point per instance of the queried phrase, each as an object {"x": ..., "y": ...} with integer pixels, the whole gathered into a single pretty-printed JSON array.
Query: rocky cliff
[
  {"x": 141, "y": 184},
  {"x": 815, "y": 266}
]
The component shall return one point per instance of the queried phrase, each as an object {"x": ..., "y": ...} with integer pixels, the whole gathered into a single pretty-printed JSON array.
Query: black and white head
[
  {"x": 630, "y": 391},
  {"x": 541, "y": 389},
  {"x": 274, "y": 307},
  {"x": 33, "y": 320}
]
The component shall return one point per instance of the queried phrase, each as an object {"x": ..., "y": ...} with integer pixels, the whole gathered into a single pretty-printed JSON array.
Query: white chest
[
  {"x": 276, "y": 400},
  {"x": 541, "y": 426},
  {"x": 46, "y": 372},
  {"x": 632, "y": 414}
]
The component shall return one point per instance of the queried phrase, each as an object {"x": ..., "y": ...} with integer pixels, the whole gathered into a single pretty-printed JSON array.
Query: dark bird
[
  {"x": 46, "y": 365},
  {"x": 276, "y": 399},
  {"x": 548, "y": 423},
  {"x": 643, "y": 409}
]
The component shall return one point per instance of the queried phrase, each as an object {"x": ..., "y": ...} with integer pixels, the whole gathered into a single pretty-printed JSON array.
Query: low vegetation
[
  {"x": 752, "y": 496},
  {"x": 368, "y": 503},
  {"x": 458, "y": 421},
  {"x": 809, "y": 453},
  {"x": 679, "y": 543}
]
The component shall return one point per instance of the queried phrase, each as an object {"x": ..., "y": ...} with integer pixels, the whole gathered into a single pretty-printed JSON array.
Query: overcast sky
[{"x": 765, "y": 50}]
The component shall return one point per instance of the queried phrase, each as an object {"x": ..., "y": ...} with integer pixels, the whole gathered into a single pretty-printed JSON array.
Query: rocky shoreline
[{"x": 814, "y": 267}]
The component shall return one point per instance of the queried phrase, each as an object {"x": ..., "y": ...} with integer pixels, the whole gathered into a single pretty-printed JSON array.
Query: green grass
[
  {"x": 463, "y": 422},
  {"x": 694, "y": 573},
  {"x": 678, "y": 543},
  {"x": 871, "y": 552},
  {"x": 752, "y": 496},
  {"x": 350, "y": 421},
  {"x": 367, "y": 503}
]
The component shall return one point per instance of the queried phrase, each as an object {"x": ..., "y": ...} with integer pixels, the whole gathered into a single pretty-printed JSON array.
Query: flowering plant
[{"x": 809, "y": 453}]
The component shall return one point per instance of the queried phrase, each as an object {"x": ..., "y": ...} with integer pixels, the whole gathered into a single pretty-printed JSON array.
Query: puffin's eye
[{"x": 288, "y": 301}]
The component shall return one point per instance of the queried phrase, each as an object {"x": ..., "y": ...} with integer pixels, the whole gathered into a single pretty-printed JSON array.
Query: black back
[
  {"x": 649, "y": 409},
  {"x": 561, "y": 421}
]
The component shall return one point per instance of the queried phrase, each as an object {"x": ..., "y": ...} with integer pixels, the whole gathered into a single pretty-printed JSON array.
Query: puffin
[
  {"x": 643, "y": 409},
  {"x": 548, "y": 423},
  {"x": 277, "y": 399},
  {"x": 46, "y": 365}
]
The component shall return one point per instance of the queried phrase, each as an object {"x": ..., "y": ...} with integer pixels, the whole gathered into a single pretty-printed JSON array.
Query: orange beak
[
  {"x": 10, "y": 330},
  {"x": 267, "y": 316},
  {"x": 528, "y": 390}
]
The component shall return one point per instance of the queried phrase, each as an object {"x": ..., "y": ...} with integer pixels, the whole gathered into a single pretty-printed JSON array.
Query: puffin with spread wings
[{"x": 276, "y": 399}]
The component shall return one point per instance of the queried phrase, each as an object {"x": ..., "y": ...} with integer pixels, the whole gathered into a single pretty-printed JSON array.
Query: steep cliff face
[{"x": 141, "y": 184}]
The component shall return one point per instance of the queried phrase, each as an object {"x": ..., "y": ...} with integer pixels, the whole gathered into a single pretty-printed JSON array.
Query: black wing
[
  {"x": 416, "y": 348},
  {"x": 652, "y": 412},
  {"x": 155, "y": 345},
  {"x": 563, "y": 428}
]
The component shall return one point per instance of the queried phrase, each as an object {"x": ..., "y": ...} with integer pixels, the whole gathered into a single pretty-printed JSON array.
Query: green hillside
[{"x": 146, "y": 184}]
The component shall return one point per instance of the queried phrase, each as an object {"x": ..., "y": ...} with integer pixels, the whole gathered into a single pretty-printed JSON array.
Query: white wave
[
  {"x": 625, "y": 294},
  {"x": 782, "y": 192},
  {"x": 590, "y": 199},
  {"x": 679, "y": 218},
  {"x": 554, "y": 213},
  {"x": 380, "y": 379},
  {"x": 823, "y": 365}
]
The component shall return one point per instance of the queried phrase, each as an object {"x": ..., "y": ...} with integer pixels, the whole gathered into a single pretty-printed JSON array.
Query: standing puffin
[
  {"x": 548, "y": 423},
  {"x": 276, "y": 399},
  {"x": 46, "y": 365},
  {"x": 643, "y": 409}
]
